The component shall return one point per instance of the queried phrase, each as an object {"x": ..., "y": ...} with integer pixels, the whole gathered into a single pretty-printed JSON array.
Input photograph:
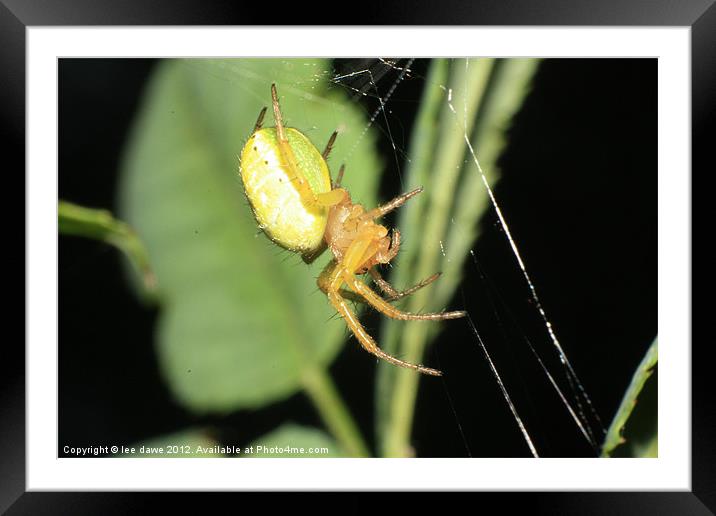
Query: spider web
[
  {"x": 576, "y": 400},
  {"x": 376, "y": 84}
]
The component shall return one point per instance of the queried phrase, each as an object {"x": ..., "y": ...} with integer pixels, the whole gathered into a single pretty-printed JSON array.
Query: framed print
[{"x": 416, "y": 259}]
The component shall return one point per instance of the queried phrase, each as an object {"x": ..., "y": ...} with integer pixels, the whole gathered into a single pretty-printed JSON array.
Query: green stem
[
  {"x": 615, "y": 434},
  {"x": 423, "y": 141},
  {"x": 466, "y": 89},
  {"x": 101, "y": 225},
  {"x": 508, "y": 89},
  {"x": 320, "y": 388},
  {"x": 495, "y": 90}
]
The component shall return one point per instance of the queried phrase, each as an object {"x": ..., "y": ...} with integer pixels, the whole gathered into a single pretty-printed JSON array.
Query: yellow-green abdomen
[{"x": 275, "y": 201}]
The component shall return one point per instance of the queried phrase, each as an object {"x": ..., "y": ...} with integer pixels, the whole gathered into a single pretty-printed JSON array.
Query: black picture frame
[{"x": 699, "y": 15}]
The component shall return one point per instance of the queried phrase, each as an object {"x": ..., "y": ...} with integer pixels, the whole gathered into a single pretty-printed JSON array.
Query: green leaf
[
  {"x": 291, "y": 440},
  {"x": 243, "y": 323},
  {"x": 634, "y": 431},
  {"x": 101, "y": 225},
  {"x": 185, "y": 444}
]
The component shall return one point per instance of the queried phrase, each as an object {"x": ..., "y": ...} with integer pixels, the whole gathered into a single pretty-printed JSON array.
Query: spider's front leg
[
  {"x": 391, "y": 205},
  {"x": 330, "y": 282},
  {"x": 337, "y": 273},
  {"x": 383, "y": 306},
  {"x": 359, "y": 252},
  {"x": 296, "y": 176}
]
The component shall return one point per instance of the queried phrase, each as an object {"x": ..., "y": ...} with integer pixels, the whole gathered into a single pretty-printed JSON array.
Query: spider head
[{"x": 347, "y": 222}]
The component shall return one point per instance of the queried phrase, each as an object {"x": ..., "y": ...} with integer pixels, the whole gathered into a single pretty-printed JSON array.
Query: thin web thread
[
  {"x": 571, "y": 374},
  {"x": 498, "y": 379},
  {"x": 382, "y": 100},
  {"x": 580, "y": 418},
  {"x": 454, "y": 412},
  {"x": 505, "y": 394},
  {"x": 584, "y": 429}
]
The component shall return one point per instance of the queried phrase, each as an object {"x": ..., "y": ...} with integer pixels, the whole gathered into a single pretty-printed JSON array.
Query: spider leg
[
  {"x": 260, "y": 120},
  {"x": 393, "y": 294},
  {"x": 394, "y": 246},
  {"x": 308, "y": 197},
  {"x": 383, "y": 306},
  {"x": 329, "y": 145},
  {"x": 337, "y": 182},
  {"x": 310, "y": 258},
  {"x": 330, "y": 282},
  {"x": 391, "y": 205},
  {"x": 361, "y": 249}
]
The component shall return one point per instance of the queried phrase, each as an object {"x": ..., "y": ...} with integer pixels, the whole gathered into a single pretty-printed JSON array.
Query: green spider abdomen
[{"x": 274, "y": 199}]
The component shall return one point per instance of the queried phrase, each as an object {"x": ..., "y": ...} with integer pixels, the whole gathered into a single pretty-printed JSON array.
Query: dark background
[{"x": 578, "y": 188}]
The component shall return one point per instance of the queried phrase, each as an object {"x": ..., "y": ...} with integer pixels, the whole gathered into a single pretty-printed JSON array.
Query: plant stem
[
  {"x": 495, "y": 89},
  {"x": 508, "y": 88},
  {"x": 320, "y": 388},
  {"x": 467, "y": 85},
  {"x": 101, "y": 225},
  {"x": 645, "y": 369},
  {"x": 423, "y": 141}
]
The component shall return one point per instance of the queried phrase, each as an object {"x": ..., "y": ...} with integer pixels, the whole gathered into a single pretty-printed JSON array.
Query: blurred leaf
[
  {"x": 243, "y": 322},
  {"x": 634, "y": 431},
  {"x": 187, "y": 443},
  {"x": 101, "y": 225},
  {"x": 289, "y": 439}
]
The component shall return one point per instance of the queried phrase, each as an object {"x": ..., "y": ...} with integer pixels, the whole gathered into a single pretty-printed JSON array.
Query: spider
[{"x": 288, "y": 185}]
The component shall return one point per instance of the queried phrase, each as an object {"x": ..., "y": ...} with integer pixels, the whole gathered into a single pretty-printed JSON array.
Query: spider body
[
  {"x": 347, "y": 222},
  {"x": 276, "y": 204},
  {"x": 288, "y": 184}
]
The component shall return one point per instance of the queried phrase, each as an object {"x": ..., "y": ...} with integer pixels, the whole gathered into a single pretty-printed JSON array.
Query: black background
[{"x": 578, "y": 188}]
